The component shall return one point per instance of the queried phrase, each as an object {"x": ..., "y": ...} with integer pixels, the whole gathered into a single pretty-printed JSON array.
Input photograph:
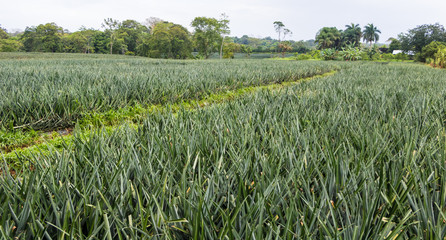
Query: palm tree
[
  {"x": 328, "y": 37},
  {"x": 353, "y": 34},
  {"x": 370, "y": 33}
]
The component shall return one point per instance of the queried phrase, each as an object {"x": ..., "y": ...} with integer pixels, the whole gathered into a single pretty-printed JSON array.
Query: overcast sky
[{"x": 251, "y": 17}]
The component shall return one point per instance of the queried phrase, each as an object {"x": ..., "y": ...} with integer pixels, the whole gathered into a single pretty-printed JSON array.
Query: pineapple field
[{"x": 108, "y": 147}]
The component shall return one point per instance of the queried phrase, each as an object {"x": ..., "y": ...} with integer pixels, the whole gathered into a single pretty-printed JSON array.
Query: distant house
[
  {"x": 410, "y": 53},
  {"x": 384, "y": 50}
]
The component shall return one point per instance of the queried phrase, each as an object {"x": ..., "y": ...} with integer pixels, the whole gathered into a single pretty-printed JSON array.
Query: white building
[{"x": 410, "y": 53}]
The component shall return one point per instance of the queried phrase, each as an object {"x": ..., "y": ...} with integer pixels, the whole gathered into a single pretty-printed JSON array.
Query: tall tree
[
  {"x": 8, "y": 44},
  {"x": 181, "y": 42},
  {"x": 207, "y": 35},
  {"x": 370, "y": 33},
  {"x": 421, "y": 36},
  {"x": 352, "y": 34},
  {"x": 132, "y": 32},
  {"x": 29, "y": 39},
  {"x": 280, "y": 29},
  {"x": 89, "y": 35},
  {"x": 286, "y": 32},
  {"x": 246, "y": 50},
  {"x": 230, "y": 48},
  {"x": 328, "y": 37},
  {"x": 224, "y": 30},
  {"x": 301, "y": 47},
  {"x": 51, "y": 35},
  {"x": 395, "y": 44},
  {"x": 3, "y": 33},
  {"x": 43, "y": 38},
  {"x": 100, "y": 42},
  {"x": 75, "y": 43},
  {"x": 151, "y": 22},
  {"x": 170, "y": 40},
  {"x": 279, "y": 26},
  {"x": 111, "y": 26}
]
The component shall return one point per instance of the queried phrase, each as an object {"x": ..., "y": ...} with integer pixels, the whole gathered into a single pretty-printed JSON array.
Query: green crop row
[
  {"x": 55, "y": 92},
  {"x": 20, "y": 141},
  {"x": 357, "y": 155}
]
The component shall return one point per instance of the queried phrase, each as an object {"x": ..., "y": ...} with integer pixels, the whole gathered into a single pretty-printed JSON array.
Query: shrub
[
  {"x": 329, "y": 54},
  {"x": 339, "y": 57},
  {"x": 387, "y": 56},
  {"x": 440, "y": 57},
  {"x": 315, "y": 54},
  {"x": 302, "y": 56},
  {"x": 401, "y": 56},
  {"x": 9, "y": 45},
  {"x": 418, "y": 58},
  {"x": 350, "y": 53},
  {"x": 375, "y": 57},
  {"x": 430, "y": 50},
  {"x": 364, "y": 56},
  {"x": 374, "y": 53}
]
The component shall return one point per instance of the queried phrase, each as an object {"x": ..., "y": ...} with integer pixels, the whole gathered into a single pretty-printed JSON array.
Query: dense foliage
[
  {"x": 417, "y": 38},
  {"x": 359, "y": 155},
  {"x": 154, "y": 38},
  {"x": 351, "y": 53},
  {"x": 207, "y": 35},
  {"x": 169, "y": 40},
  {"x": 267, "y": 45},
  {"x": 429, "y": 51},
  {"x": 371, "y": 33},
  {"x": 352, "y": 35},
  {"x": 331, "y": 37},
  {"x": 328, "y": 37},
  {"x": 3, "y": 34},
  {"x": 425, "y": 40},
  {"x": 161, "y": 39}
]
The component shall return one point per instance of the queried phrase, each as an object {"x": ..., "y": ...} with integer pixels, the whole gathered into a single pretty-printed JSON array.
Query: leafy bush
[
  {"x": 130, "y": 53},
  {"x": 374, "y": 53},
  {"x": 430, "y": 50},
  {"x": 9, "y": 45},
  {"x": 339, "y": 57},
  {"x": 302, "y": 56},
  {"x": 364, "y": 56},
  {"x": 329, "y": 54},
  {"x": 315, "y": 54},
  {"x": 351, "y": 53},
  {"x": 440, "y": 58},
  {"x": 394, "y": 45},
  {"x": 387, "y": 56},
  {"x": 401, "y": 56}
]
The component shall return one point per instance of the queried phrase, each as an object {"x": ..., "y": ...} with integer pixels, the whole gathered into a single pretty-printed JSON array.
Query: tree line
[
  {"x": 413, "y": 41},
  {"x": 331, "y": 37},
  {"x": 153, "y": 38},
  {"x": 162, "y": 39},
  {"x": 424, "y": 43}
]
